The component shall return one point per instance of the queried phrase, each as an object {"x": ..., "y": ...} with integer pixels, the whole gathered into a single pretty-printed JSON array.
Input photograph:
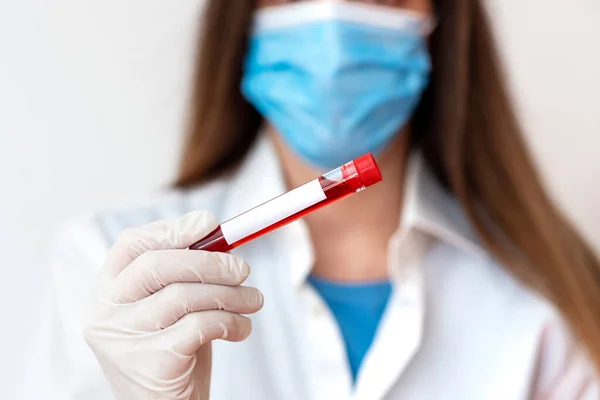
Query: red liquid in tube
[{"x": 350, "y": 178}]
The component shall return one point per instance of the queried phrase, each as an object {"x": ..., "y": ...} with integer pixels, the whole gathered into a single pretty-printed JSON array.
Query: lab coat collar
[
  {"x": 428, "y": 210},
  {"x": 259, "y": 178}
]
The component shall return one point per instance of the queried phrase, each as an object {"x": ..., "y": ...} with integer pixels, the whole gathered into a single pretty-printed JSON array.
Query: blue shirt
[{"x": 357, "y": 308}]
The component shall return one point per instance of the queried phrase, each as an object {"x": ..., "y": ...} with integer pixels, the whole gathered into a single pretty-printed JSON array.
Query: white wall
[
  {"x": 554, "y": 61},
  {"x": 92, "y": 95}
]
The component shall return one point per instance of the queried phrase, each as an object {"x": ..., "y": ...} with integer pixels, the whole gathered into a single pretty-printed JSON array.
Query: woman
[{"x": 455, "y": 278}]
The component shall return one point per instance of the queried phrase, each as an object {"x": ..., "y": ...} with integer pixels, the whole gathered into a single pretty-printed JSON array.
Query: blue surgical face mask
[{"x": 337, "y": 79}]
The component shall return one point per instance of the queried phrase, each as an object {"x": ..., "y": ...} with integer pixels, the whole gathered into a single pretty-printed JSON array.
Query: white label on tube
[{"x": 273, "y": 211}]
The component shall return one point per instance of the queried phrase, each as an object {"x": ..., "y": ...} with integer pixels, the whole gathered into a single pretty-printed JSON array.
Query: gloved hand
[{"x": 158, "y": 306}]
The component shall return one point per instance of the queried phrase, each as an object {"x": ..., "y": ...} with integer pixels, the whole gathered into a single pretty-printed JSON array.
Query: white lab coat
[{"x": 457, "y": 327}]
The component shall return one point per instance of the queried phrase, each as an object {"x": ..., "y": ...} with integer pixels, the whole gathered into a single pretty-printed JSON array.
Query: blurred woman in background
[{"x": 455, "y": 278}]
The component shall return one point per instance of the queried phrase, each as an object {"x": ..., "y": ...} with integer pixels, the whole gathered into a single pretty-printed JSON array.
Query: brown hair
[{"x": 465, "y": 126}]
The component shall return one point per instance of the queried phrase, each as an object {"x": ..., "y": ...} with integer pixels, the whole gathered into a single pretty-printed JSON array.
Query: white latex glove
[{"x": 158, "y": 306}]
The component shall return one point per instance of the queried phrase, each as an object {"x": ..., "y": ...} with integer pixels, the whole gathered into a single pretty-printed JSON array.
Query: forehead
[{"x": 413, "y": 5}]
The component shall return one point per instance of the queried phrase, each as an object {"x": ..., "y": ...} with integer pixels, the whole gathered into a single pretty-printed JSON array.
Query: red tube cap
[{"x": 367, "y": 170}]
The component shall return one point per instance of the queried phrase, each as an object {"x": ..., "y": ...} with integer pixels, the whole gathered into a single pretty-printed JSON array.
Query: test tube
[{"x": 352, "y": 177}]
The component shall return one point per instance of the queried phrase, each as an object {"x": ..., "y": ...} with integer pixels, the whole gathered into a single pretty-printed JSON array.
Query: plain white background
[{"x": 93, "y": 97}]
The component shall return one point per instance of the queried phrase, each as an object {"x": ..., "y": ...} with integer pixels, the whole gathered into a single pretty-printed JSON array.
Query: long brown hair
[{"x": 465, "y": 126}]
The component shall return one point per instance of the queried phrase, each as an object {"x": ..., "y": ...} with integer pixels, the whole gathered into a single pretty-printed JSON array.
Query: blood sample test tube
[{"x": 352, "y": 177}]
